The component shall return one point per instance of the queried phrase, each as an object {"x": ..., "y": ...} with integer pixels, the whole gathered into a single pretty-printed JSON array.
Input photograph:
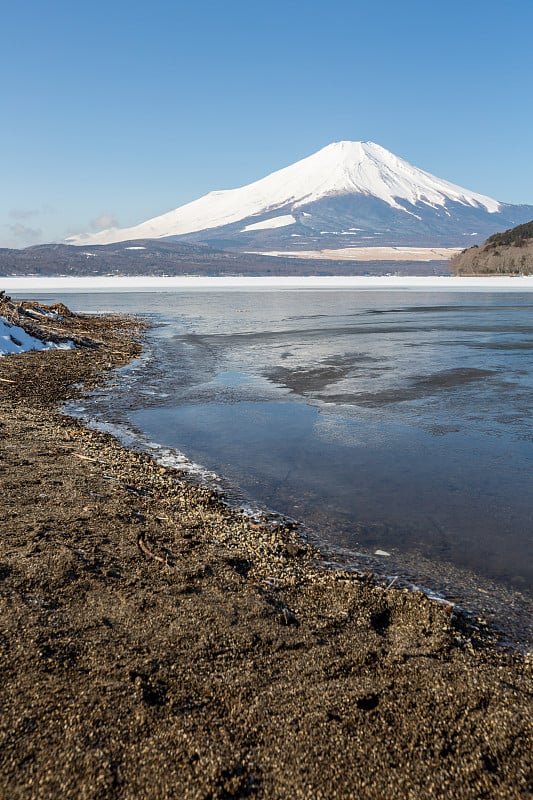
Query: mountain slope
[{"x": 353, "y": 190}]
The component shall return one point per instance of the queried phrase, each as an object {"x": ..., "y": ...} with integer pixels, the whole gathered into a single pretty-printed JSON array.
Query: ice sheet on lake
[{"x": 106, "y": 283}]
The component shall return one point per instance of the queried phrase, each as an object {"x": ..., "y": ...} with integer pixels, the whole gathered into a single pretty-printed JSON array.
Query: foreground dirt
[{"x": 155, "y": 644}]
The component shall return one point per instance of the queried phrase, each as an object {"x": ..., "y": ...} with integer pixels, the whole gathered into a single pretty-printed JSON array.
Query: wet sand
[{"x": 155, "y": 643}]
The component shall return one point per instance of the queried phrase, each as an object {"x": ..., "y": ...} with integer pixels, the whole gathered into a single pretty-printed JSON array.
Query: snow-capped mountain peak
[
  {"x": 369, "y": 169},
  {"x": 342, "y": 169}
]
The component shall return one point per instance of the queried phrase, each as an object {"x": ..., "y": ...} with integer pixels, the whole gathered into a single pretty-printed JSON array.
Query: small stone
[{"x": 294, "y": 550}]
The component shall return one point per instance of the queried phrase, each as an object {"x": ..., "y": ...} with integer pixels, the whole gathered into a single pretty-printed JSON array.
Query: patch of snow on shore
[{"x": 14, "y": 339}]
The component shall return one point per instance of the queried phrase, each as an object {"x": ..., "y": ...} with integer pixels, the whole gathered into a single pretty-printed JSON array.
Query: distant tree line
[
  {"x": 499, "y": 254},
  {"x": 518, "y": 236}
]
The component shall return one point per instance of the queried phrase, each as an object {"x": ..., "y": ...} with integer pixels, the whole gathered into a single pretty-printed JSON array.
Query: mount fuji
[{"x": 349, "y": 194}]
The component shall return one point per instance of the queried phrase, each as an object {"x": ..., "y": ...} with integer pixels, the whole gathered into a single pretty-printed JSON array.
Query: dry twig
[{"x": 146, "y": 551}]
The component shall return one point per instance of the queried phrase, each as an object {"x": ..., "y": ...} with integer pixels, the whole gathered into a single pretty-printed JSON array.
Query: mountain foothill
[{"x": 507, "y": 253}]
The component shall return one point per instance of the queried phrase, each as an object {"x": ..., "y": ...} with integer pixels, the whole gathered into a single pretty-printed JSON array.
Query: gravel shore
[{"x": 155, "y": 643}]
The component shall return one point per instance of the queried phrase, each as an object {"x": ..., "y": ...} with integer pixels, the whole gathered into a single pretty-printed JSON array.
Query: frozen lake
[{"x": 384, "y": 420}]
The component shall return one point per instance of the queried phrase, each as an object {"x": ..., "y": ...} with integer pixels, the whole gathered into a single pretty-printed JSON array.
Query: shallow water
[{"x": 388, "y": 421}]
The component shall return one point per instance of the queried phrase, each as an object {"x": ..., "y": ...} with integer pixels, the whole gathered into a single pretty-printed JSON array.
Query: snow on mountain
[
  {"x": 273, "y": 222},
  {"x": 360, "y": 171}
]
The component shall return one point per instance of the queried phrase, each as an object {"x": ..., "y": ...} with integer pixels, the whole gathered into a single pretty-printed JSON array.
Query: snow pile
[
  {"x": 341, "y": 168},
  {"x": 14, "y": 339}
]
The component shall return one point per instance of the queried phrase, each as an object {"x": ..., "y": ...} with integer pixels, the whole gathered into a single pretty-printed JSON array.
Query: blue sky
[{"x": 120, "y": 111}]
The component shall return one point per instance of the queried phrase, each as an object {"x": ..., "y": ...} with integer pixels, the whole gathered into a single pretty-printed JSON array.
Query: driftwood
[
  {"x": 85, "y": 458},
  {"x": 142, "y": 546}
]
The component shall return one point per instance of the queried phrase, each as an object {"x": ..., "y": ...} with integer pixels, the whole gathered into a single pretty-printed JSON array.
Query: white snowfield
[
  {"x": 14, "y": 339},
  {"x": 29, "y": 286},
  {"x": 274, "y": 222},
  {"x": 340, "y": 168},
  {"x": 368, "y": 253}
]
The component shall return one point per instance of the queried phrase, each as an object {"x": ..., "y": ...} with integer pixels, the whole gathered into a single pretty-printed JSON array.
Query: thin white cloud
[
  {"x": 22, "y": 213},
  {"x": 103, "y": 221},
  {"x": 20, "y": 235}
]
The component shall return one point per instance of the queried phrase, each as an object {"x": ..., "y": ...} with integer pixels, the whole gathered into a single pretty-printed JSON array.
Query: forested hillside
[{"x": 506, "y": 253}]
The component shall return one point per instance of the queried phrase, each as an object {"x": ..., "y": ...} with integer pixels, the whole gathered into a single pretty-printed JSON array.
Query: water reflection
[{"x": 392, "y": 421}]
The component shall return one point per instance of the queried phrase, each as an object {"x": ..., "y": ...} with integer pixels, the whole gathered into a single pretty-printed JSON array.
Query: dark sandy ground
[{"x": 156, "y": 644}]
